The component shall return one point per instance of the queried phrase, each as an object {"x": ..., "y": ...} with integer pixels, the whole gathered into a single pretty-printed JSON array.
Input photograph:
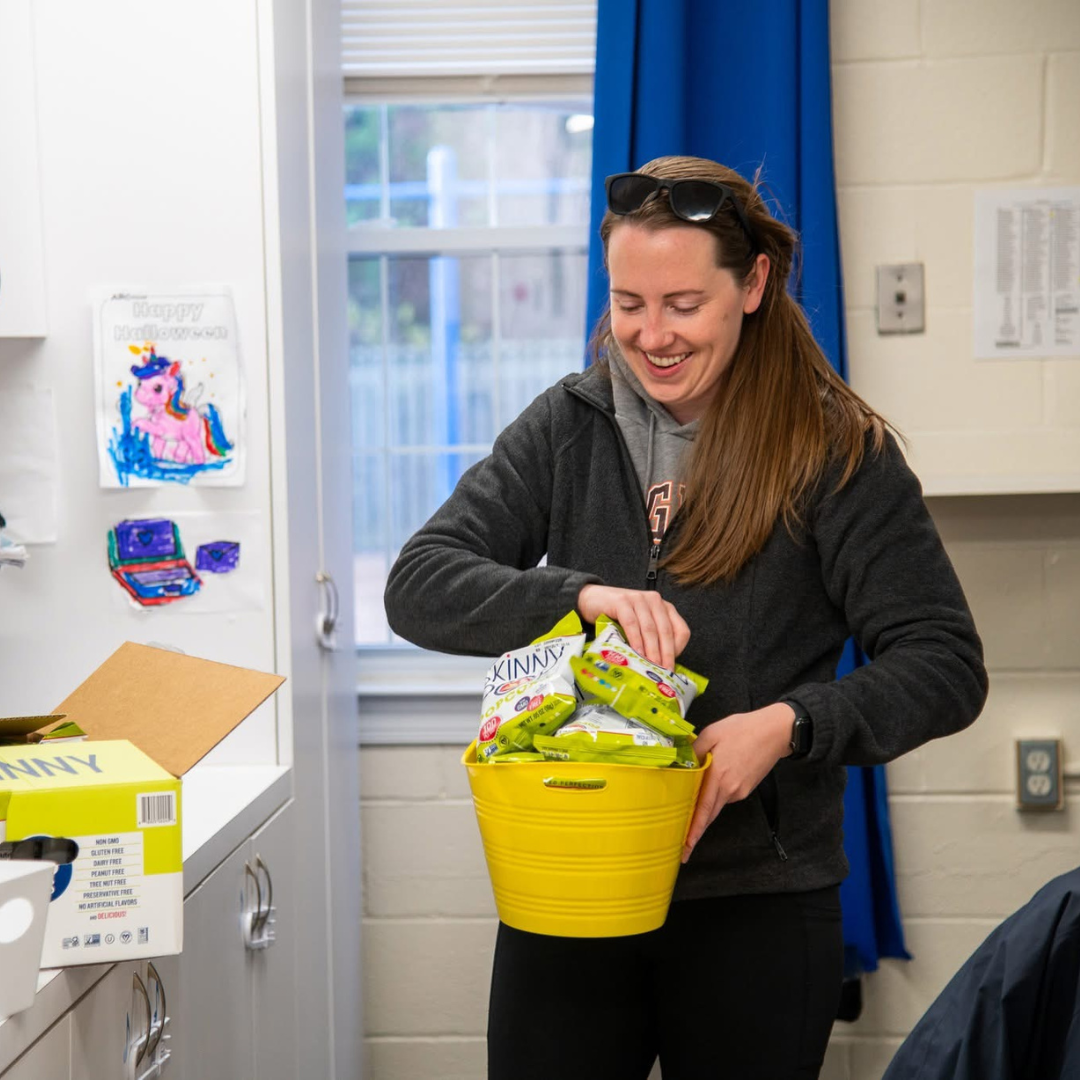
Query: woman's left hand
[{"x": 744, "y": 747}]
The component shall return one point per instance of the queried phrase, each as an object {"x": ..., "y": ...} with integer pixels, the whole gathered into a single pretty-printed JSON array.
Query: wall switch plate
[
  {"x": 900, "y": 299},
  {"x": 1039, "y": 780}
]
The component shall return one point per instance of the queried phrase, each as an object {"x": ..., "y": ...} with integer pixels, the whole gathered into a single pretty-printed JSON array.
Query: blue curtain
[{"x": 748, "y": 85}]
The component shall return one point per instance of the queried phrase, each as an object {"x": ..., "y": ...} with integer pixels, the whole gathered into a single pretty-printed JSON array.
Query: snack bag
[
  {"x": 599, "y": 734},
  {"x": 530, "y": 691},
  {"x": 672, "y": 689},
  {"x": 631, "y": 695}
]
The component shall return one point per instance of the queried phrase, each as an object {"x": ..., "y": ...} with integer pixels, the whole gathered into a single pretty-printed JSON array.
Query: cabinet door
[
  {"x": 274, "y": 968},
  {"x": 212, "y": 1039},
  {"x": 166, "y": 1001},
  {"x": 106, "y": 1026},
  {"x": 49, "y": 1058}
]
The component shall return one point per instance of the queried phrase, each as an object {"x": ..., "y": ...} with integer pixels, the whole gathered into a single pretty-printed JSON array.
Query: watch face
[{"x": 802, "y": 733}]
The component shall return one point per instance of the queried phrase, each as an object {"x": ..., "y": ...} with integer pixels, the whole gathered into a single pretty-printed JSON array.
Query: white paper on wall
[
  {"x": 169, "y": 385},
  {"x": 1027, "y": 272},
  {"x": 192, "y": 562},
  {"x": 28, "y": 474}
]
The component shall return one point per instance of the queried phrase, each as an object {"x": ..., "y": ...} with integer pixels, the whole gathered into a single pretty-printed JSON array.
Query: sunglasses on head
[{"x": 692, "y": 200}]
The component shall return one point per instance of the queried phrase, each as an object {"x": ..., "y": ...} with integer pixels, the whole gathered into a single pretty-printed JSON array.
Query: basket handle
[{"x": 566, "y": 783}]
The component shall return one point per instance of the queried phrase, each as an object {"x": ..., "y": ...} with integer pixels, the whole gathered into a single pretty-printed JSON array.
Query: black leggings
[{"x": 733, "y": 988}]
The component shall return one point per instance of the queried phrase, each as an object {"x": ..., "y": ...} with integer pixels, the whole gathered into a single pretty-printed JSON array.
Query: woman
[{"x": 715, "y": 487}]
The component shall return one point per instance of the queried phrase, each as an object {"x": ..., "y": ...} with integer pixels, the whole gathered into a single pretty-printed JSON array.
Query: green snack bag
[
  {"x": 517, "y": 757},
  {"x": 529, "y": 691},
  {"x": 674, "y": 688},
  {"x": 598, "y": 733},
  {"x": 607, "y": 749},
  {"x": 632, "y": 695}
]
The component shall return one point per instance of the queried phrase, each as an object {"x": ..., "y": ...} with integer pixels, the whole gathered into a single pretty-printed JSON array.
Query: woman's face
[{"x": 675, "y": 314}]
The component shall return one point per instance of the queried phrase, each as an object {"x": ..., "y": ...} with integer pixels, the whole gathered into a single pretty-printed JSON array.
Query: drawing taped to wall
[
  {"x": 147, "y": 558},
  {"x": 218, "y": 557},
  {"x": 169, "y": 390}
]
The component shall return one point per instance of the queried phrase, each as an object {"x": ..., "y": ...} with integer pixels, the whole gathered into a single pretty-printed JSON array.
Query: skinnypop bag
[
  {"x": 530, "y": 691},
  {"x": 598, "y": 733},
  {"x": 615, "y": 674}
]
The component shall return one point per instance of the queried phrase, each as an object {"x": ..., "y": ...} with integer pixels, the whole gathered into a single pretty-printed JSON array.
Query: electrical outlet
[
  {"x": 1039, "y": 783},
  {"x": 901, "y": 299}
]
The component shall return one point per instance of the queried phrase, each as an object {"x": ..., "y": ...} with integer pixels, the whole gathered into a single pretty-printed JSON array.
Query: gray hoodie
[{"x": 657, "y": 442}]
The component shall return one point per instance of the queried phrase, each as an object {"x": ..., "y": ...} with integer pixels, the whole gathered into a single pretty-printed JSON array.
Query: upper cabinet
[{"x": 22, "y": 263}]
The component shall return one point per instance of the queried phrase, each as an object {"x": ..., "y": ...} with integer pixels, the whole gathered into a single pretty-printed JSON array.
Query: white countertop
[{"x": 222, "y": 805}]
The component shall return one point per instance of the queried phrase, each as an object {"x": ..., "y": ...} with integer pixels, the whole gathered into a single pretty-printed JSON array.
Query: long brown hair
[{"x": 781, "y": 415}]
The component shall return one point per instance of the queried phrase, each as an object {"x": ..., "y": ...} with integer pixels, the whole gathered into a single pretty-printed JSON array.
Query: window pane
[
  {"x": 439, "y": 165},
  {"x": 366, "y": 353},
  {"x": 543, "y": 155},
  {"x": 440, "y": 360},
  {"x": 542, "y": 320},
  {"x": 419, "y": 485},
  {"x": 362, "y": 180}
]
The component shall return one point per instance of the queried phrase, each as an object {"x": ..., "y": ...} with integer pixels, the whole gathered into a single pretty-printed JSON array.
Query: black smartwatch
[{"x": 802, "y": 734}]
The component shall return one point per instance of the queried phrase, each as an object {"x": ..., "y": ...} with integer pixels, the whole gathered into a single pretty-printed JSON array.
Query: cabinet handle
[
  {"x": 248, "y": 872},
  {"x": 141, "y": 987},
  {"x": 152, "y": 972},
  {"x": 264, "y": 914},
  {"x": 326, "y": 620}
]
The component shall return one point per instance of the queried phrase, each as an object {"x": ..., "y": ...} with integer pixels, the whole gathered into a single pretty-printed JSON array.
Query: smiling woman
[{"x": 712, "y": 485}]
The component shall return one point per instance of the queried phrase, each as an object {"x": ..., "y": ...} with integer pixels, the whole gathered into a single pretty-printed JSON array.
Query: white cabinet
[
  {"x": 232, "y": 1006},
  {"x": 211, "y": 1006},
  {"x": 111, "y": 1026},
  {"x": 274, "y": 969},
  {"x": 48, "y": 1058},
  {"x": 22, "y": 264}
]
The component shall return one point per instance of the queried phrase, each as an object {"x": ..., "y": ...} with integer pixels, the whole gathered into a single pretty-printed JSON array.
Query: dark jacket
[
  {"x": 1012, "y": 1012},
  {"x": 869, "y": 562}
]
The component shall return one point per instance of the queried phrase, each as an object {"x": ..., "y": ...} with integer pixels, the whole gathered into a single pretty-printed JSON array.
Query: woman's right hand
[{"x": 652, "y": 625}]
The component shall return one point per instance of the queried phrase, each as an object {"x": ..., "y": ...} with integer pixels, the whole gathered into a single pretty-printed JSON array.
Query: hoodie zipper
[
  {"x": 654, "y": 562},
  {"x": 769, "y": 796}
]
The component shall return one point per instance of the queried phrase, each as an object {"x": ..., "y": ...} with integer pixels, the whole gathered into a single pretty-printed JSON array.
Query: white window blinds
[{"x": 395, "y": 38}]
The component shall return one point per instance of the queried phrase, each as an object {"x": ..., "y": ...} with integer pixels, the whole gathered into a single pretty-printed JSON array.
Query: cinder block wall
[{"x": 932, "y": 98}]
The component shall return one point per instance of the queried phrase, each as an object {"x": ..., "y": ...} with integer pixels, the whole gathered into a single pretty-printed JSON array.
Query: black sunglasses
[{"x": 691, "y": 200}]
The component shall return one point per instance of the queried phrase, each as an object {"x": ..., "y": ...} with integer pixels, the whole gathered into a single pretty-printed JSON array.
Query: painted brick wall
[{"x": 932, "y": 99}]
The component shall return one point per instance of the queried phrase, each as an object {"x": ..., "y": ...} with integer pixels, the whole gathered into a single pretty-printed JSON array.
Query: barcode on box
[{"x": 158, "y": 808}]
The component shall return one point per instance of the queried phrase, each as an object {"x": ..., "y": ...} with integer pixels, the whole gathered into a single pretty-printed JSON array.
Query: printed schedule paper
[{"x": 1027, "y": 272}]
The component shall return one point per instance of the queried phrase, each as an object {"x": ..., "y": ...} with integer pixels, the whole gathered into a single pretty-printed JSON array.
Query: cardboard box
[{"x": 150, "y": 715}]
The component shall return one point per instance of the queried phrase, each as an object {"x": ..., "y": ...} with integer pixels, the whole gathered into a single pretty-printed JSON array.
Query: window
[{"x": 468, "y": 243}]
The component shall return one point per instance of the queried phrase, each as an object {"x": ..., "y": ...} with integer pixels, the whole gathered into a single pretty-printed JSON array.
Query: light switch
[{"x": 900, "y": 299}]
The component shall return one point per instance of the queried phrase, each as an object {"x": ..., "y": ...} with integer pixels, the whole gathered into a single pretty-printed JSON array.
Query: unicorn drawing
[{"x": 178, "y": 429}]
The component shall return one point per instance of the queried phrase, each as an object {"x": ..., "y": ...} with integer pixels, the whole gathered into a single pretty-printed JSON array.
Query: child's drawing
[
  {"x": 218, "y": 557},
  {"x": 179, "y": 431},
  {"x": 147, "y": 560},
  {"x": 174, "y": 438},
  {"x": 174, "y": 415}
]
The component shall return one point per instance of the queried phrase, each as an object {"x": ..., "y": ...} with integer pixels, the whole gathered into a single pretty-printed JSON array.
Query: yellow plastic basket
[{"x": 582, "y": 850}]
